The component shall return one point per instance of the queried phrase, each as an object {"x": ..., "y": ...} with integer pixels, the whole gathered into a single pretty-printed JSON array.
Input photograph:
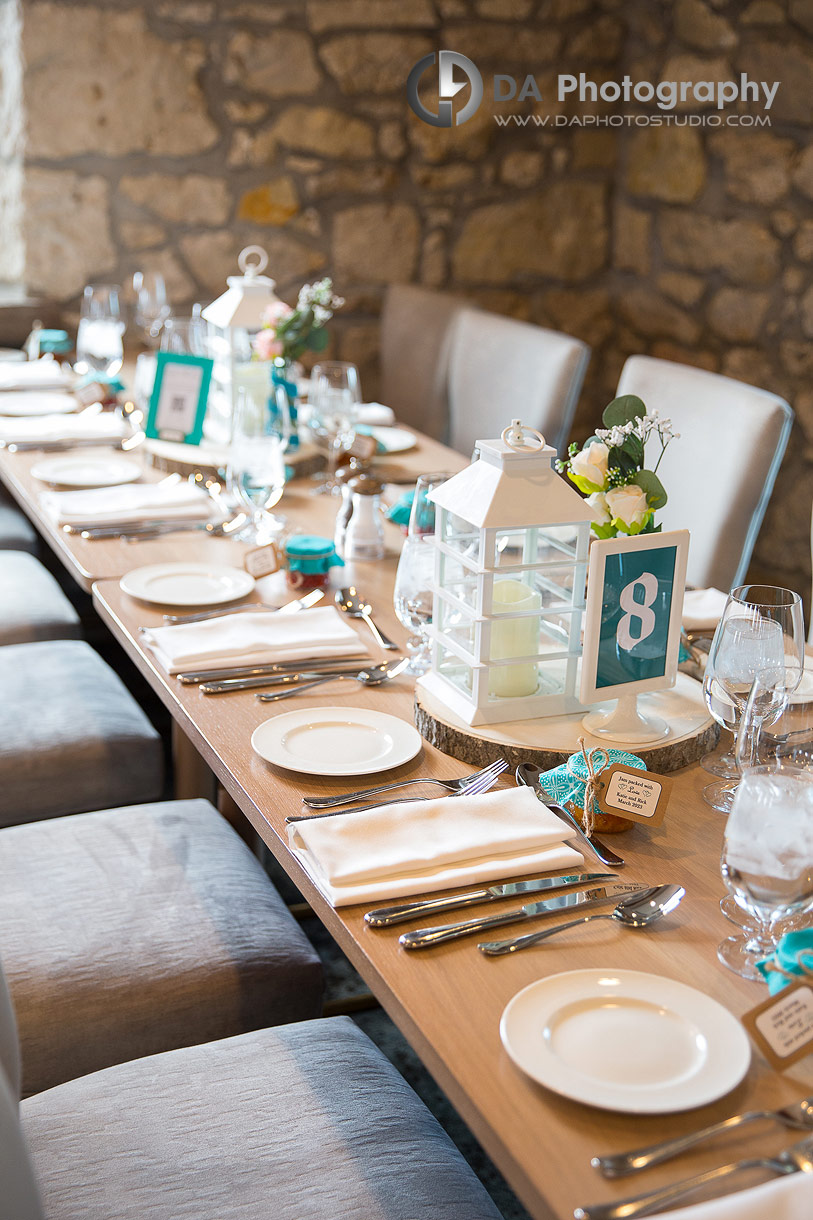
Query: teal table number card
[
  {"x": 179, "y": 397},
  {"x": 633, "y": 618}
]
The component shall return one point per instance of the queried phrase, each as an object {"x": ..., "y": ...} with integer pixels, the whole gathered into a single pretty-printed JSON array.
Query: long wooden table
[{"x": 448, "y": 1001}]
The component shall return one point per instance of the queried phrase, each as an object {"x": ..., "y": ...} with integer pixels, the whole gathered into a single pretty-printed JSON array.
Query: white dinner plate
[
  {"x": 87, "y": 471},
  {"x": 336, "y": 741},
  {"x": 391, "y": 440},
  {"x": 37, "y": 402},
  {"x": 624, "y": 1040},
  {"x": 187, "y": 584}
]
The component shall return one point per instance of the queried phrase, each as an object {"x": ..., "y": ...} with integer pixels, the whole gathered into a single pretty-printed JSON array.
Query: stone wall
[{"x": 170, "y": 133}]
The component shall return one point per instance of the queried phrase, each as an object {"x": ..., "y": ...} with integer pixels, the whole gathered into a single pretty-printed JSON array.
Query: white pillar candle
[{"x": 514, "y": 638}]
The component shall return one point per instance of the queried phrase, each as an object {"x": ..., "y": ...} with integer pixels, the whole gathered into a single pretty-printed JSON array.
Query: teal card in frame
[
  {"x": 179, "y": 397},
  {"x": 633, "y": 616}
]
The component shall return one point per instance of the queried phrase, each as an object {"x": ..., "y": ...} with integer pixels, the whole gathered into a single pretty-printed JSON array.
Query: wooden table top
[{"x": 448, "y": 1001}]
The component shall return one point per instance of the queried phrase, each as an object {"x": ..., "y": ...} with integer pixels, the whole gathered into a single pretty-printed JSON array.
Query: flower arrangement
[
  {"x": 610, "y": 468},
  {"x": 288, "y": 333}
]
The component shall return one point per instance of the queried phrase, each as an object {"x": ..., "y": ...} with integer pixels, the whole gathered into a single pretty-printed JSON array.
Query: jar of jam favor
[{"x": 308, "y": 560}]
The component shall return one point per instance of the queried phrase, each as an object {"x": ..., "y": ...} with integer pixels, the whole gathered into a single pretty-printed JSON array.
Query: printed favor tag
[
  {"x": 640, "y": 796},
  {"x": 782, "y": 1026},
  {"x": 262, "y": 561}
]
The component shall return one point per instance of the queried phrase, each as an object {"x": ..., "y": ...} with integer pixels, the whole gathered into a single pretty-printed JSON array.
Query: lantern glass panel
[
  {"x": 454, "y": 670},
  {"x": 461, "y": 536},
  {"x": 456, "y": 625},
  {"x": 515, "y": 548},
  {"x": 458, "y": 580}
]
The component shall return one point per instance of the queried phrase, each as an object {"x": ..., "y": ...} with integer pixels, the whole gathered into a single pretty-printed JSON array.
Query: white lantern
[
  {"x": 234, "y": 319},
  {"x": 511, "y": 547}
]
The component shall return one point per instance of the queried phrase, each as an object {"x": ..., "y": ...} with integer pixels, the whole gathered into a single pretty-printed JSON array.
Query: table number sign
[
  {"x": 632, "y": 623},
  {"x": 179, "y": 397}
]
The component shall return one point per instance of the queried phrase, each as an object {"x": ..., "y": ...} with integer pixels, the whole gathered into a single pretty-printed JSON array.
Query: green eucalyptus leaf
[
  {"x": 622, "y": 410},
  {"x": 318, "y": 339},
  {"x": 618, "y": 457},
  {"x": 634, "y": 448},
  {"x": 650, "y": 483}
]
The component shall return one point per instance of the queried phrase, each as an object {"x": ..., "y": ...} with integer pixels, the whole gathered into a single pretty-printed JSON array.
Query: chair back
[
  {"x": 21, "y": 1198},
  {"x": 501, "y": 369},
  {"x": 720, "y": 474},
  {"x": 415, "y": 330}
]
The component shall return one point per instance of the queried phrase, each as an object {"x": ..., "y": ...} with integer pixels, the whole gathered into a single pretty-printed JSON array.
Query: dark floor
[{"x": 343, "y": 982}]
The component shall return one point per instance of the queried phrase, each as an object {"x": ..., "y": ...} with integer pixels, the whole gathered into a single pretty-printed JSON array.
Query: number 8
[{"x": 639, "y": 610}]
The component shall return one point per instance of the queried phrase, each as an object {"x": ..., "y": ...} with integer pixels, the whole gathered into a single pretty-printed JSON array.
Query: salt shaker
[
  {"x": 344, "y": 475},
  {"x": 364, "y": 532}
]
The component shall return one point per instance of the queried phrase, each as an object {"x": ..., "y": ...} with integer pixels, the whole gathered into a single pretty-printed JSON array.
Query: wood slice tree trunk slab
[{"x": 549, "y": 741}]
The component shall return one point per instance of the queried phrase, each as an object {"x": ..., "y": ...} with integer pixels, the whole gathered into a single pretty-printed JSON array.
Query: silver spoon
[
  {"x": 637, "y": 911},
  {"x": 350, "y": 601},
  {"x": 373, "y": 676}
]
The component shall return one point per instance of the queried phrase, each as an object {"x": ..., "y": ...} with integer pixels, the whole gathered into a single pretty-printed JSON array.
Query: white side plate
[
  {"x": 624, "y": 1040},
  {"x": 336, "y": 741},
  {"x": 187, "y": 584},
  {"x": 87, "y": 471},
  {"x": 391, "y": 440}
]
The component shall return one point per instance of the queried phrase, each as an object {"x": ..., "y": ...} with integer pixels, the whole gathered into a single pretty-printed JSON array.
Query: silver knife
[
  {"x": 385, "y": 917},
  {"x": 222, "y": 687},
  {"x": 425, "y": 938},
  {"x": 194, "y": 677},
  {"x": 301, "y": 603}
]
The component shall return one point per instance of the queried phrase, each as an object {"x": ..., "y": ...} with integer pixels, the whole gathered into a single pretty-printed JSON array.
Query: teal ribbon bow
[{"x": 793, "y": 956}]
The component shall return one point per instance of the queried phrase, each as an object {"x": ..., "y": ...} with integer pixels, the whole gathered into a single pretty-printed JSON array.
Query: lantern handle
[
  {"x": 252, "y": 261},
  {"x": 524, "y": 440}
]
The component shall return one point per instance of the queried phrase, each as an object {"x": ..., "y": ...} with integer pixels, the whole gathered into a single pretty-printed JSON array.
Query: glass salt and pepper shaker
[{"x": 362, "y": 525}]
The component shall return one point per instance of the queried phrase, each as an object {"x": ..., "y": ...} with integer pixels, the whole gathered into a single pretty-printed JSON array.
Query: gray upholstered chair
[
  {"x": 16, "y": 532},
  {"x": 32, "y": 605},
  {"x": 501, "y": 369},
  {"x": 72, "y": 738},
  {"x": 132, "y": 931},
  {"x": 415, "y": 331},
  {"x": 302, "y": 1122},
  {"x": 720, "y": 474}
]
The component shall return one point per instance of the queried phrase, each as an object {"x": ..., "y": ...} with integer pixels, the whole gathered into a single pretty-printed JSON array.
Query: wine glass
[
  {"x": 415, "y": 575},
  {"x": 256, "y": 472},
  {"x": 760, "y": 634},
  {"x": 151, "y": 304},
  {"x": 183, "y": 336},
  {"x": 334, "y": 396},
  {"x": 767, "y": 860},
  {"x": 99, "y": 346}
]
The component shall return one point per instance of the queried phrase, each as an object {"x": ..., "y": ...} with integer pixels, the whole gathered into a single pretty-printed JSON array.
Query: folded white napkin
[
  {"x": 45, "y": 374},
  {"x": 89, "y": 425},
  {"x": 703, "y": 608},
  {"x": 254, "y": 638},
  {"x": 431, "y": 845},
  {"x": 375, "y": 414},
  {"x": 787, "y": 1199},
  {"x": 175, "y": 500}
]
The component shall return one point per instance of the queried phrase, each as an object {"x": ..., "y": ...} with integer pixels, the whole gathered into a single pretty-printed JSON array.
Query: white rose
[
  {"x": 628, "y": 505},
  {"x": 598, "y": 503},
  {"x": 591, "y": 463}
]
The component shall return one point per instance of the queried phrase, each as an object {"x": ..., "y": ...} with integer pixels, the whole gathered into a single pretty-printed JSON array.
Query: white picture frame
[{"x": 605, "y": 651}]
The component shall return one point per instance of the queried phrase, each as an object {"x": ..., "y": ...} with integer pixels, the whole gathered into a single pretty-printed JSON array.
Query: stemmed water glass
[
  {"x": 333, "y": 398},
  {"x": 99, "y": 346},
  {"x": 760, "y": 634},
  {"x": 416, "y": 566},
  {"x": 256, "y": 472},
  {"x": 151, "y": 304},
  {"x": 767, "y": 860}
]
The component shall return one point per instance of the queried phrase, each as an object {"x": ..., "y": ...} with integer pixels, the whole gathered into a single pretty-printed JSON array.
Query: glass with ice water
[
  {"x": 767, "y": 860},
  {"x": 99, "y": 346}
]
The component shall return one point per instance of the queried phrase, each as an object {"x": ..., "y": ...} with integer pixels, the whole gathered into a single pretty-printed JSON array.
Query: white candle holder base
[{"x": 625, "y": 723}]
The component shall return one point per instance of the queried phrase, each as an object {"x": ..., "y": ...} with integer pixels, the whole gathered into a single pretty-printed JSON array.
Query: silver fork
[
  {"x": 480, "y": 782},
  {"x": 453, "y": 785}
]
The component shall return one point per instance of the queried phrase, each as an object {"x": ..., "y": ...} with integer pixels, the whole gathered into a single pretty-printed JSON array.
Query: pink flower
[
  {"x": 266, "y": 345},
  {"x": 275, "y": 312}
]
